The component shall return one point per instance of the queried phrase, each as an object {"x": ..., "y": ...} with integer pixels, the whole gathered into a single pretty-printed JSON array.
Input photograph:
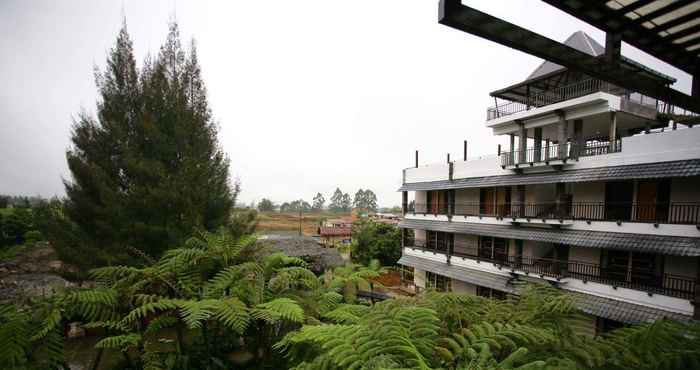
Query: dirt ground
[{"x": 276, "y": 221}]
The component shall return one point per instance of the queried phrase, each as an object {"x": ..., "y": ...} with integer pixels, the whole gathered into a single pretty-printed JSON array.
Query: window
[
  {"x": 437, "y": 282},
  {"x": 406, "y": 274},
  {"x": 485, "y": 292}
]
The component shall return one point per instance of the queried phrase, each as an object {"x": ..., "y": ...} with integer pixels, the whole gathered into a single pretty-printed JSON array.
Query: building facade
[{"x": 597, "y": 194}]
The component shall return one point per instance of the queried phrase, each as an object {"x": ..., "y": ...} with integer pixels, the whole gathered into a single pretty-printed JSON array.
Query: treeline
[{"x": 339, "y": 202}]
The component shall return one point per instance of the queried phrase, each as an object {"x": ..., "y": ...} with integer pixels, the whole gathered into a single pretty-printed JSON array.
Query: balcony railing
[
  {"x": 553, "y": 96},
  {"x": 687, "y": 213},
  {"x": 665, "y": 284},
  {"x": 557, "y": 152}
]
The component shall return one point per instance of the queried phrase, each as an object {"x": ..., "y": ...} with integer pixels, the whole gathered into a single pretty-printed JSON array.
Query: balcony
[
  {"x": 681, "y": 213},
  {"x": 664, "y": 284},
  {"x": 557, "y": 152}
]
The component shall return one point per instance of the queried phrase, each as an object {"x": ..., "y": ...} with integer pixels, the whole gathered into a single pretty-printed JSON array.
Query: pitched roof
[
  {"x": 684, "y": 168},
  {"x": 664, "y": 244},
  {"x": 335, "y": 231},
  {"x": 578, "y": 40}
]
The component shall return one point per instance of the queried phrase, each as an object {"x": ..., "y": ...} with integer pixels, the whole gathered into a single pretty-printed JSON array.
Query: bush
[
  {"x": 373, "y": 240},
  {"x": 32, "y": 237}
]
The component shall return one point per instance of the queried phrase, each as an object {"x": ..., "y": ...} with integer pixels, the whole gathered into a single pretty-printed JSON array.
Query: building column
[
  {"x": 578, "y": 137},
  {"x": 538, "y": 145},
  {"x": 546, "y": 150},
  {"x": 404, "y": 201},
  {"x": 612, "y": 137},
  {"x": 403, "y": 238},
  {"x": 511, "y": 153},
  {"x": 520, "y": 190},
  {"x": 522, "y": 142},
  {"x": 560, "y": 193},
  {"x": 450, "y": 204},
  {"x": 562, "y": 135}
]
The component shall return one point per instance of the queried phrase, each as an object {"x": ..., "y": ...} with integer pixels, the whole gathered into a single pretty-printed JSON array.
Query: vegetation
[
  {"x": 375, "y": 241},
  {"x": 148, "y": 169},
  {"x": 266, "y": 205},
  {"x": 318, "y": 202},
  {"x": 541, "y": 330},
  {"x": 296, "y": 206},
  {"x": 366, "y": 200},
  {"x": 340, "y": 202}
]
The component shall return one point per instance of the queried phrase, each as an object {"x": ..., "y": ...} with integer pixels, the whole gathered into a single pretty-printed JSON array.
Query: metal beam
[
  {"x": 650, "y": 41},
  {"x": 453, "y": 14}
]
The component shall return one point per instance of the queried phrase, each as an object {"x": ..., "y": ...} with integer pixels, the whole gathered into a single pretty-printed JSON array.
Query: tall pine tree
[{"x": 149, "y": 169}]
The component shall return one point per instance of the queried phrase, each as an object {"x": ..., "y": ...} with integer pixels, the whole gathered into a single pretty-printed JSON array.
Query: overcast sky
[{"x": 309, "y": 94}]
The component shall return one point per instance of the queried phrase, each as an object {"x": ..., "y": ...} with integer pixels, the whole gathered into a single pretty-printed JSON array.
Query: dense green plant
[
  {"x": 374, "y": 240},
  {"x": 148, "y": 170},
  {"x": 541, "y": 330}
]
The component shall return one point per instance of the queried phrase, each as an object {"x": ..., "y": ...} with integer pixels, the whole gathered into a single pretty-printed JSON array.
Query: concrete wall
[
  {"x": 419, "y": 278},
  {"x": 588, "y": 192},
  {"x": 535, "y": 249},
  {"x": 463, "y": 287},
  {"x": 419, "y": 235},
  {"x": 538, "y": 193},
  {"x": 657, "y": 147},
  {"x": 685, "y": 189},
  {"x": 589, "y": 255}
]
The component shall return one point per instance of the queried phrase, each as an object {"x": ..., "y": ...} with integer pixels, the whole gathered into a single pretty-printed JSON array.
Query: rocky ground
[{"x": 32, "y": 273}]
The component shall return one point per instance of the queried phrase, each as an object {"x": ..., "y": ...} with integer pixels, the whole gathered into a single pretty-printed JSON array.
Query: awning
[
  {"x": 663, "y": 244},
  {"x": 626, "y": 312},
  {"x": 657, "y": 170},
  {"x": 476, "y": 277},
  {"x": 598, "y": 306}
]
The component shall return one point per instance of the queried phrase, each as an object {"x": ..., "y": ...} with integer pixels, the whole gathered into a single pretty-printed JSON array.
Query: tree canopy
[
  {"x": 376, "y": 241},
  {"x": 148, "y": 169},
  {"x": 318, "y": 202},
  {"x": 266, "y": 205},
  {"x": 366, "y": 200}
]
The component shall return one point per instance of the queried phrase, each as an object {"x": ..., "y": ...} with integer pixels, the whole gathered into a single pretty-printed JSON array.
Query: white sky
[{"x": 309, "y": 94}]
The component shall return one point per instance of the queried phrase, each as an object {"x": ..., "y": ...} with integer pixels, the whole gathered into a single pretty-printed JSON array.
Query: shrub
[{"x": 32, "y": 236}]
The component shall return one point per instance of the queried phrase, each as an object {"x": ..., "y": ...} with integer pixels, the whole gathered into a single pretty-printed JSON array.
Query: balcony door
[
  {"x": 487, "y": 199},
  {"x": 493, "y": 249},
  {"x": 617, "y": 265},
  {"x": 653, "y": 200},
  {"x": 618, "y": 200},
  {"x": 646, "y": 269},
  {"x": 437, "y": 202}
]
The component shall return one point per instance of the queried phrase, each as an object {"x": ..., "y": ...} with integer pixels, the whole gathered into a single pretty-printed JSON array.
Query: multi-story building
[{"x": 598, "y": 194}]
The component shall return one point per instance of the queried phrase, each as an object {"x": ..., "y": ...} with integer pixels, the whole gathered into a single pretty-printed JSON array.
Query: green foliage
[
  {"x": 365, "y": 200},
  {"x": 318, "y": 202},
  {"x": 148, "y": 169},
  {"x": 374, "y": 240},
  {"x": 340, "y": 202},
  {"x": 33, "y": 236},
  {"x": 266, "y": 205}
]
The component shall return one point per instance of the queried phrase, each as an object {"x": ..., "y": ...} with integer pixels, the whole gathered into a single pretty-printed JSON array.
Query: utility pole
[{"x": 301, "y": 207}]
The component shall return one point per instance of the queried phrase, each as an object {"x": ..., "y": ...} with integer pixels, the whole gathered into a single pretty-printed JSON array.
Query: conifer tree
[{"x": 148, "y": 169}]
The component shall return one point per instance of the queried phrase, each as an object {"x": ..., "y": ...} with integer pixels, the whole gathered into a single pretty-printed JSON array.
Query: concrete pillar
[
  {"x": 465, "y": 150},
  {"x": 578, "y": 137},
  {"x": 404, "y": 201},
  {"x": 613, "y": 131},
  {"x": 538, "y": 145},
  {"x": 522, "y": 141},
  {"x": 416, "y": 159},
  {"x": 520, "y": 190},
  {"x": 562, "y": 135},
  {"x": 511, "y": 153},
  {"x": 560, "y": 194}
]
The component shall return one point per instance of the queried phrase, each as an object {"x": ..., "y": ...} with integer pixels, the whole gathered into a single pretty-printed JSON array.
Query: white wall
[{"x": 652, "y": 148}]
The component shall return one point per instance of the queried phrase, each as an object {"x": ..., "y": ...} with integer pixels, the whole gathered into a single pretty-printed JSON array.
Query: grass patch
[
  {"x": 288, "y": 221},
  {"x": 6, "y": 211}
]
